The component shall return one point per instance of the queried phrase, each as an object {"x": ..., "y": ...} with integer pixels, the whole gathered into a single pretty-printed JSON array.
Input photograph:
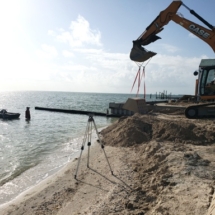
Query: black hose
[{"x": 199, "y": 17}]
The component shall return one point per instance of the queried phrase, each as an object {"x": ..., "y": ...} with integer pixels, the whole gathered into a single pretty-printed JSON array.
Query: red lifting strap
[
  {"x": 144, "y": 90},
  {"x": 135, "y": 78},
  {"x": 139, "y": 77}
]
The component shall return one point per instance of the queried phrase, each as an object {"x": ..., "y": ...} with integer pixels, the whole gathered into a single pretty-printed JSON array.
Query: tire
[{"x": 191, "y": 112}]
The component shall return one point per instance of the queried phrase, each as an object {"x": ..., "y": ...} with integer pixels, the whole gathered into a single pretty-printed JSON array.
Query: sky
[{"x": 84, "y": 46}]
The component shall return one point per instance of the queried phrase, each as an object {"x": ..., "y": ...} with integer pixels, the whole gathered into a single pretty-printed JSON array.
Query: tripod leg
[
  {"x": 82, "y": 148},
  {"x": 89, "y": 142},
  {"x": 102, "y": 146}
]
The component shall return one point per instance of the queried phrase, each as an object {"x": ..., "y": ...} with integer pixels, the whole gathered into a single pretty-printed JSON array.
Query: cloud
[
  {"x": 114, "y": 72},
  {"x": 192, "y": 35},
  {"x": 85, "y": 66},
  {"x": 48, "y": 52},
  {"x": 169, "y": 48},
  {"x": 96, "y": 70},
  {"x": 67, "y": 54},
  {"x": 79, "y": 34}
]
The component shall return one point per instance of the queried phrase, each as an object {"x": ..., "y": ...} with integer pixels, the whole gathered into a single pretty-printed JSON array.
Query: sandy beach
[{"x": 162, "y": 163}]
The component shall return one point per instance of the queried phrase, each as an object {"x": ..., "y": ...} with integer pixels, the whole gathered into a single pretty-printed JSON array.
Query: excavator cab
[
  {"x": 206, "y": 79},
  {"x": 205, "y": 91}
]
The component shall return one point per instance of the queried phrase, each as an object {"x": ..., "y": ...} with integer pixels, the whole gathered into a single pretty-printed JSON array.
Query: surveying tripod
[{"x": 87, "y": 138}]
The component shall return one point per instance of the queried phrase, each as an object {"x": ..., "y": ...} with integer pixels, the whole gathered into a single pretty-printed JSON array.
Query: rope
[
  {"x": 135, "y": 79},
  {"x": 140, "y": 77},
  {"x": 144, "y": 90}
]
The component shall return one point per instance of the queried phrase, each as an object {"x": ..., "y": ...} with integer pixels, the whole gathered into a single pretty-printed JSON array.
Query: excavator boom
[
  {"x": 201, "y": 32},
  {"x": 140, "y": 54}
]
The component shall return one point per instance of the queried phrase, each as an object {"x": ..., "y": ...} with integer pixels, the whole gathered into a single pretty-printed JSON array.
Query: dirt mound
[
  {"x": 165, "y": 178},
  {"x": 127, "y": 132},
  {"x": 138, "y": 129},
  {"x": 170, "y": 161},
  {"x": 177, "y": 132}
]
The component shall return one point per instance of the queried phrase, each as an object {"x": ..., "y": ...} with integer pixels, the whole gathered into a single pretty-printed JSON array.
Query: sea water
[{"x": 32, "y": 150}]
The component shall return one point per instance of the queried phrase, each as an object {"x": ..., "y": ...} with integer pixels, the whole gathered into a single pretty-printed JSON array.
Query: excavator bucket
[{"x": 139, "y": 54}]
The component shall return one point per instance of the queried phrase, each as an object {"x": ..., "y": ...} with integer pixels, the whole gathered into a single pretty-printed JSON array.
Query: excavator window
[
  {"x": 211, "y": 76},
  {"x": 208, "y": 82},
  {"x": 203, "y": 81}
]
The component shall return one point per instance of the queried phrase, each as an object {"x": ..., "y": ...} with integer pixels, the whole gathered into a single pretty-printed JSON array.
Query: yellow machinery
[
  {"x": 140, "y": 54},
  {"x": 205, "y": 85}
]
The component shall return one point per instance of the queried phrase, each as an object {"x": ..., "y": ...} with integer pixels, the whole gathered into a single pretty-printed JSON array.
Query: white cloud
[
  {"x": 75, "y": 67},
  {"x": 169, "y": 48},
  {"x": 51, "y": 33},
  {"x": 89, "y": 51},
  {"x": 115, "y": 72},
  {"x": 47, "y": 52},
  {"x": 80, "y": 34},
  {"x": 192, "y": 35},
  {"x": 85, "y": 66},
  {"x": 67, "y": 54}
]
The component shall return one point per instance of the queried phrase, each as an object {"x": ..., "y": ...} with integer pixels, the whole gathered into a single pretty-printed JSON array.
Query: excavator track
[{"x": 200, "y": 111}]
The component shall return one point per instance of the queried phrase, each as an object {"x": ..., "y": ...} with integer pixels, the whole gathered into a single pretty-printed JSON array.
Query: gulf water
[{"x": 32, "y": 150}]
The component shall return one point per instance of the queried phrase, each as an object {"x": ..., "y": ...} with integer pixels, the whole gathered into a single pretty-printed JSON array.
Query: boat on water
[{"x": 8, "y": 115}]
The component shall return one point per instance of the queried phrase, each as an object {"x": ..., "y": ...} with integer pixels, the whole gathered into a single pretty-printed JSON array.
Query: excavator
[{"x": 205, "y": 91}]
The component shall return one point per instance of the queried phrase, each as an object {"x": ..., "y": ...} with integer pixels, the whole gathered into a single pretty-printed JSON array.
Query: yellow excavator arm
[{"x": 140, "y": 54}]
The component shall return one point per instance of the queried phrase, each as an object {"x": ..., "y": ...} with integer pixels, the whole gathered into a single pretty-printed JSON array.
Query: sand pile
[
  {"x": 138, "y": 129},
  {"x": 173, "y": 169},
  {"x": 164, "y": 180}
]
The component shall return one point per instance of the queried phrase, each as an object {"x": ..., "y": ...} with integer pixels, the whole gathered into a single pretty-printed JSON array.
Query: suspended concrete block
[{"x": 137, "y": 105}]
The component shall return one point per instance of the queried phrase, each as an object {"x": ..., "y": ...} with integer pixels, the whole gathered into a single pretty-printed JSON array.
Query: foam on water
[{"x": 51, "y": 164}]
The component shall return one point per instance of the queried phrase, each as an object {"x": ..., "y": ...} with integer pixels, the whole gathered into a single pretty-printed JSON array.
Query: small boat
[{"x": 8, "y": 115}]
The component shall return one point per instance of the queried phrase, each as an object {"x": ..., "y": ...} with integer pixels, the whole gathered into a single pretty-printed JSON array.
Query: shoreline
[
  {"x": 63, "y": 178},
  {"x": 37, "y": 185},
  {"x": 53, "y": 172},
  {"x": 33, "y": 176}
]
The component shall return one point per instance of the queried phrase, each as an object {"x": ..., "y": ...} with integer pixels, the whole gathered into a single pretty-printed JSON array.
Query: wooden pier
[{"x": 164, "y": 95}]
